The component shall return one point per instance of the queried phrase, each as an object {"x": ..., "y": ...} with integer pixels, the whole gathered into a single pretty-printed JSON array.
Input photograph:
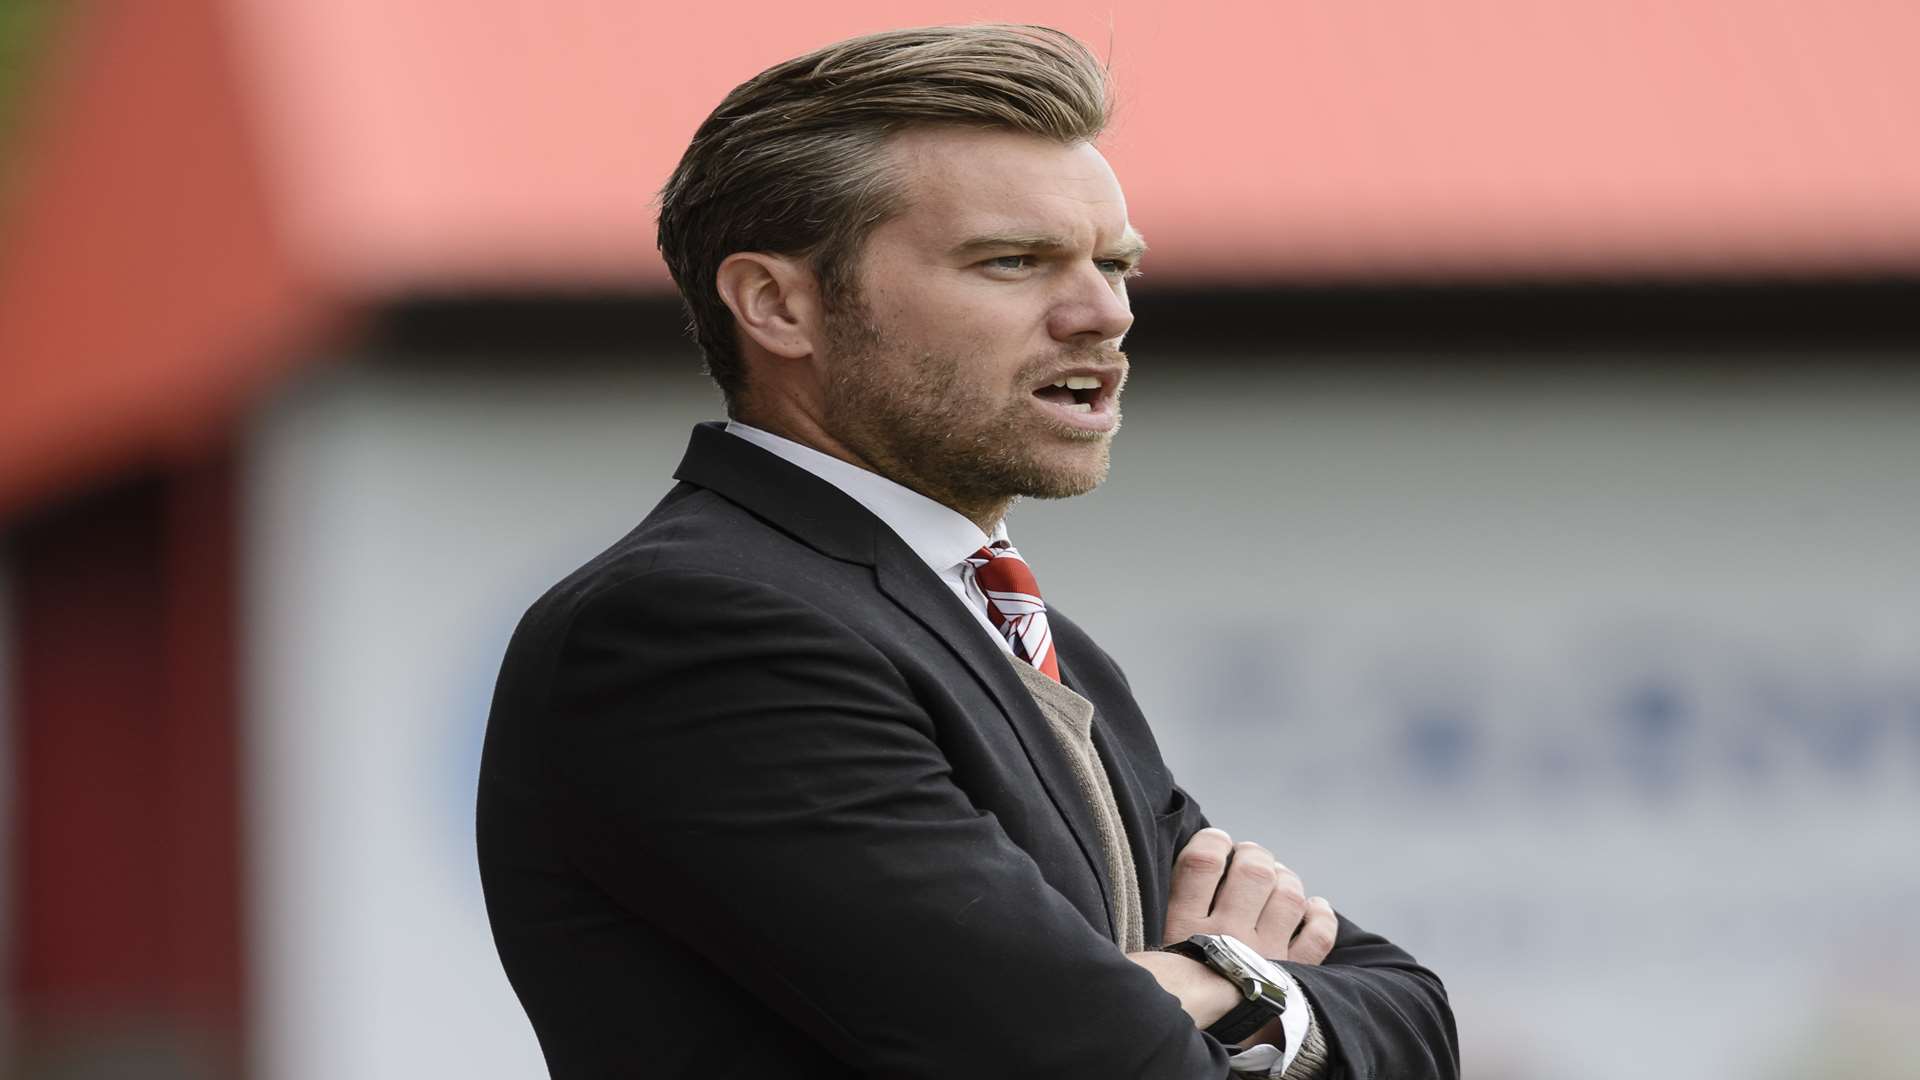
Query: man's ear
[{"x": 775, "y": 299}]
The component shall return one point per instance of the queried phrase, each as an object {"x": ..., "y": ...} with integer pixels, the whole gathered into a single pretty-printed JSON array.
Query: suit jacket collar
[
  {"x": 781, "y": 493},
  {"x": 940, "y": 535},
  {"x": 822, "y": 516}
]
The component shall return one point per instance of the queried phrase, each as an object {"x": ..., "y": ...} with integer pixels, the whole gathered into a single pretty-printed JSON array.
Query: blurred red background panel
[
  {"x": 215, "y": 184},
  {"x": 480, "y": 141},
  {"x": 145, "y": 293}
]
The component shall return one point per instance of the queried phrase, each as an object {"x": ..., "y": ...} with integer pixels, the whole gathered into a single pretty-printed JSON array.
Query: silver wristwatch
[{"x": 1261, "y": 983}]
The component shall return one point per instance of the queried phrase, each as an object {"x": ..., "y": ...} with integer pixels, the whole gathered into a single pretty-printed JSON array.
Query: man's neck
[{"x": 987, "y": 514}]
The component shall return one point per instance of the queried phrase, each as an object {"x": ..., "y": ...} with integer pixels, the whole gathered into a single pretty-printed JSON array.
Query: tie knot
[
  {"x": 1014, "y": 605},
  {"x": 999, "y": 567}
]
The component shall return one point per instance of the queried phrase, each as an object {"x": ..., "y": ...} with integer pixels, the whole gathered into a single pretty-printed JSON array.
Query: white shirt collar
[{"x": 941, "y": 536}]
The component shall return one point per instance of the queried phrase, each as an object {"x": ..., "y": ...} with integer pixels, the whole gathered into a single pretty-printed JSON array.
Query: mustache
[{"x": 1103, "y": 355}]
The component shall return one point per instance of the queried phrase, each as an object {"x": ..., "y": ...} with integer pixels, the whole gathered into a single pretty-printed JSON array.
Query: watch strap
[
  {"x": 1189, "y": 950},
  {"x": 1242, "y": 1021}
]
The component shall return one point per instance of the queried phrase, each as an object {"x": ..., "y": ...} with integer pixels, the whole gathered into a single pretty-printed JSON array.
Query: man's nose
[{"x": 1094, "y": 309}]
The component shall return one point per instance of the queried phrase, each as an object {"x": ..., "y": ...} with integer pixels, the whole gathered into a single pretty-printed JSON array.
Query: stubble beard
[{"x": 926, "y": 425}]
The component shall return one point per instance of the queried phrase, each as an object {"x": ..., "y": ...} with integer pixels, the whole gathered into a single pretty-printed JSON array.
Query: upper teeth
[{"x": 1078, "y": 382}]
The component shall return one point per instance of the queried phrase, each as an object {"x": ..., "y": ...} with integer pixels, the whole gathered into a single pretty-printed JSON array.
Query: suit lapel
[
  {"x": 908, "y": 582},
  {"x": 826, "y": 518}
]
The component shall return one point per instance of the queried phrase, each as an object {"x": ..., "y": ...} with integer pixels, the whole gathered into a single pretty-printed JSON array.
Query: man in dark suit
[{"x": 804, "y": 777}]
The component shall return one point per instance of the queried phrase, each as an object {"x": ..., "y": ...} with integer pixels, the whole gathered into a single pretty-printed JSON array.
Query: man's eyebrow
[
  {"x": 1130, "y": 246},
  {"x": 1018, "y": 241}
]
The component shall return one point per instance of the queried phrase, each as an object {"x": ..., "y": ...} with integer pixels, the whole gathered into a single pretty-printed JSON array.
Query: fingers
[
  {"x": 1314, "y": 940},
  {"x": 1220, "y": 887},
  {"x": 1244, "y": 889},
  {"x": 1285, "y": 905},
  {"x": 1196, "y": 877}
]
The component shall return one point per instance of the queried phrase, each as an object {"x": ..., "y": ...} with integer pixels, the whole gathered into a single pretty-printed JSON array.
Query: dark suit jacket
[{"x": 760, "y": 798}]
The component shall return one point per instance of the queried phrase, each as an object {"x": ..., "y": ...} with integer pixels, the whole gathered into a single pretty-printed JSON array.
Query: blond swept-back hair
[{"x": 793, "y": 161}]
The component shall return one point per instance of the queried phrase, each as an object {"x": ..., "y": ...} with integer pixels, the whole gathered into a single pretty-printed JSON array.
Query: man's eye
[
  {"x": 1011, "y": 262},
  {"x": 1115, "y": 267}
]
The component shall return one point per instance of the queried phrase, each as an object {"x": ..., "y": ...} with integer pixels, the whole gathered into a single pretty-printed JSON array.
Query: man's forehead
[{"x": 966, "y": 184}]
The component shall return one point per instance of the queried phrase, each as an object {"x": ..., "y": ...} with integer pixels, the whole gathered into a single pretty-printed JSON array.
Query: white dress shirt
[
  {"x": 940, "y": 535},
  {"x": 943, "y": 538}
]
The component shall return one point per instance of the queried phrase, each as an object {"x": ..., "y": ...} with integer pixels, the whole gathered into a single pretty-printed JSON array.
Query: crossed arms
[
  {"x": 740, "y": 766},
  {"x": 1244, "y": 892}
]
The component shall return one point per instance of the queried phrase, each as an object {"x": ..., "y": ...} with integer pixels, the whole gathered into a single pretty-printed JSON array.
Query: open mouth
[
  {"x": 1083, "y": 400},
  {"x": 1074, "y": 393}
]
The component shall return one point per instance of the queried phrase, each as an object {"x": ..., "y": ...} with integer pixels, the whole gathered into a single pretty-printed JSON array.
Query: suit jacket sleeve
[
  {"x": 1382, "y": 1013},
  {"x": 739, "y": 767}
]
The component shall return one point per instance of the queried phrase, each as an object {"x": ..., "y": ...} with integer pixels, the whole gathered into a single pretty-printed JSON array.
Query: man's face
[{"x": 1003, "y": 277}]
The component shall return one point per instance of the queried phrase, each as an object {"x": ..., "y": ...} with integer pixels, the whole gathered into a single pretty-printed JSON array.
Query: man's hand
[
  {"x": 1205, "y": 994},
  {"x": 1220, "y": 887}
]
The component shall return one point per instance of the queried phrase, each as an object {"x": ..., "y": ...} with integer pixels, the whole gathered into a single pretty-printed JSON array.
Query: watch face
[
  {"x": 1274, "y": 982},
  {"x": 1253, "y": 961}
]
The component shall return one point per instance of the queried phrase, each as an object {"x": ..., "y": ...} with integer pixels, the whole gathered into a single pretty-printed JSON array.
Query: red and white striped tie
[{"x": 1014, "y": 605}]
